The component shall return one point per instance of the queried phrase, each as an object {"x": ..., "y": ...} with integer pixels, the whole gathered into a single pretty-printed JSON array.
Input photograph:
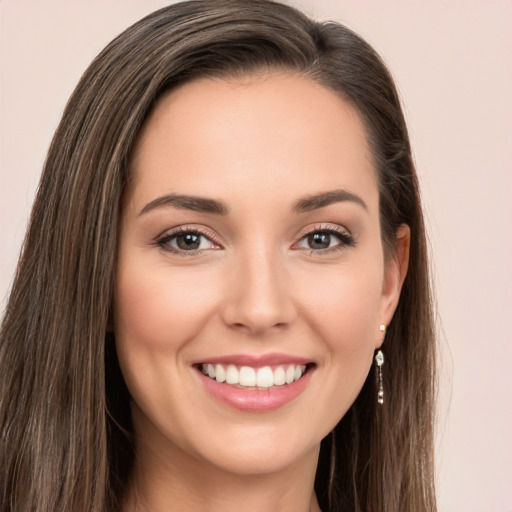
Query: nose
[{"x": 258, "y": 298}]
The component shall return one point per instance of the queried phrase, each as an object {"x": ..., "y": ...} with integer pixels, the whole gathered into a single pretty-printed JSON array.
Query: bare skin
[{"x": 268, "y": 269}]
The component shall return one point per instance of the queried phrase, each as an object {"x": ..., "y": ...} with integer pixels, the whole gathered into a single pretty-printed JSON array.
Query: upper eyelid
[
  {"x": 203, "y": 231},
  {"x": 335, "y": 228}
]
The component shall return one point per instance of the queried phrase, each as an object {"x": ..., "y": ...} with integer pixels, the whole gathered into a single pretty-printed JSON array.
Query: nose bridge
[{"x": 260, "y": 297}]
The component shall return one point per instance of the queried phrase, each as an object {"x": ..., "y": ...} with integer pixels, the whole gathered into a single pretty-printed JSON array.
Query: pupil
[
  {"x": 188, "y": 241},
  {"x": 319, "y": 240}
]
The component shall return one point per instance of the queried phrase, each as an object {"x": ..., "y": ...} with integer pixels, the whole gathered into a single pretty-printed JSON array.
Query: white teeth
[
  {"x": 290, "y": 374},
  {"x": 265, "y": 377},
  {"x": 220, "y": 374},
  {"x": 232, "y": 375},
  {"x": 279, "y": 376},
  {"x": 247, "y": 376}
]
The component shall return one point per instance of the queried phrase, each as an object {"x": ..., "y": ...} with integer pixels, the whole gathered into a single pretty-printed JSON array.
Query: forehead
[{"x": 214, "y": 136}]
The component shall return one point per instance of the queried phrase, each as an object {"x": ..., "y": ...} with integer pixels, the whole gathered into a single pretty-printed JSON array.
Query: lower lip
[{"x": 255, "y": 399}]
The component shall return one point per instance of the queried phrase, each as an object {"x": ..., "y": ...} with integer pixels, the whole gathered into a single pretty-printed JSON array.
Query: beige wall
[{"x": 452, "y": 61}]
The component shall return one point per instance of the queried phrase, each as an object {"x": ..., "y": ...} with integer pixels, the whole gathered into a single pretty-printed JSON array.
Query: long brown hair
[{"x": 65, "y": 428}]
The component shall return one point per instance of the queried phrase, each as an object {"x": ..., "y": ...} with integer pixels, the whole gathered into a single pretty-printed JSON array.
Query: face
[{"x": 251, "y": 281}]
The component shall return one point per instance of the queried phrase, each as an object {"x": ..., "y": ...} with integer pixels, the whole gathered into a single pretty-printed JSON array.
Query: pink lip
[
  {"x": 254, "y": 361},
  {"x": 255, "y": 400}
]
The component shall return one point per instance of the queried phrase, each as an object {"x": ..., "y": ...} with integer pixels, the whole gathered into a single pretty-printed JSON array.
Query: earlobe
[{"x": 394, "y": 274}]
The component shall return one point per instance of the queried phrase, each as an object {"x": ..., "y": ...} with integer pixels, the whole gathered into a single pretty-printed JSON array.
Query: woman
[{"x": 223, "y": 298}]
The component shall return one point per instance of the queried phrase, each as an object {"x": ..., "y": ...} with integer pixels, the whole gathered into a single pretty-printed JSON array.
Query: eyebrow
[
  {"x": 185, "y": 202},
  {"x": 208, "y": 205},
  {"x": 324, "y": 199}
]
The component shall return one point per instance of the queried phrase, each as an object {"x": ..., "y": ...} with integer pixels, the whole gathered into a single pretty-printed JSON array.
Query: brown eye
[
  {"x": 320, "y": 240},
  {"x": 326, "y": 240},
  {"x": 185, "y": 241},
  {"x": 188, "y": 241}
]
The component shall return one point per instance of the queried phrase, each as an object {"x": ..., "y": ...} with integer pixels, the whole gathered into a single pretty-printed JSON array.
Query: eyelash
[
  {"x": 342, "y": 234},
  {"x": 163, "y": 241}
]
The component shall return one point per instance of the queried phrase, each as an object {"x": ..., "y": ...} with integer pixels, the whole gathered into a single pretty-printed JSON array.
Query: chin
[
  {"x": 258, "y": 450},
  {"x": 260, "y": 459}
]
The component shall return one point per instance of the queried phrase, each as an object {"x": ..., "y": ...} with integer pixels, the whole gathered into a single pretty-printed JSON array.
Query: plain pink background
[{"x": 452, "y": 62}]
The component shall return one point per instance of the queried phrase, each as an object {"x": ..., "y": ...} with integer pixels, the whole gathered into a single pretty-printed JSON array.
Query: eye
[
  {"x": 325, "y": 239},
  {"x": 186, "y": 240}
]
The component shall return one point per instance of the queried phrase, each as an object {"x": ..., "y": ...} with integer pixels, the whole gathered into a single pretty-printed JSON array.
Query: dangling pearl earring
[{"x": 379, "y": 361}]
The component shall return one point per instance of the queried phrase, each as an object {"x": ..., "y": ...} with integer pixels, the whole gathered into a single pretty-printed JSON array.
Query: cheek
[
  {"x": 343, "y": 304},
  {"x": 161, "y": 310},
  {"x": 157, "y": 314},
  {"x": 342, "y": 308}
]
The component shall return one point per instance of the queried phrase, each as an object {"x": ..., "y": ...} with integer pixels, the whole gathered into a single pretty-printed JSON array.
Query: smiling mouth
[{"x": 255, "y": 378}]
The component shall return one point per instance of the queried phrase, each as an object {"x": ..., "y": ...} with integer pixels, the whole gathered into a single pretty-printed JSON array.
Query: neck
[{"x": 177, "y": 481}]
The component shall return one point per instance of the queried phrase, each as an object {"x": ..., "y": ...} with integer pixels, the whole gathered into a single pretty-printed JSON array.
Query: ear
[{"x": 395, "y": 270}]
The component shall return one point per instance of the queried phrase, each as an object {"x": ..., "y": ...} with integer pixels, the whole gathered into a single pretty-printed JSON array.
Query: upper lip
[{"x": 254, "y": 361}]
